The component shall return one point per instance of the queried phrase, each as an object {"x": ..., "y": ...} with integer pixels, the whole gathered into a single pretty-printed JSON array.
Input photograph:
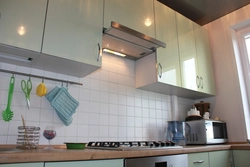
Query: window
[
  {"x": 242, "y": 53},
  {"x": 247, "y": 40}
]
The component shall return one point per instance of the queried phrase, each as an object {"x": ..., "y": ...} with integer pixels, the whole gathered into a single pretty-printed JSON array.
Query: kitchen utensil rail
[{"x": 42, "y": 77}]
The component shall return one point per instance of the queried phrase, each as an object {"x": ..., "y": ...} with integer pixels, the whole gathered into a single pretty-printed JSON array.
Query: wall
[
  {"x": 110, "y": 107},
  {"x": 227, "y": 104}
]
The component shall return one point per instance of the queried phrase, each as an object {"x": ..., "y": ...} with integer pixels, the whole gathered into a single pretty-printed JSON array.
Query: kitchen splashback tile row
[{"x": 110, "y": 107}]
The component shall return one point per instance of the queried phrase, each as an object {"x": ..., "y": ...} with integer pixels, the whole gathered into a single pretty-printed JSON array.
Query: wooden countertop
[{"x": 62, "y": 154}]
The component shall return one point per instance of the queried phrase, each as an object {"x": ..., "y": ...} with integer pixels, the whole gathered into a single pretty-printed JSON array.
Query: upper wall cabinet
[
  {"x": 21, "y": 30},
  {"x": 59, "y": 36},
  {"x": 21, "y": 23},
  {"x": 187, "y": 52},
  {"x": 205, "y": 77},
  {"x": 195, "y": 56},
  {"x": 74, "y": 30},
  {"x": 137, "y": 15},
  {"x": 167, "y": 58},
  {"x": 184, "y": 67}
]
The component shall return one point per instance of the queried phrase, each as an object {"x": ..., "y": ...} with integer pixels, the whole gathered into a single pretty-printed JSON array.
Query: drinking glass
[{"x": 49, "y": 133}]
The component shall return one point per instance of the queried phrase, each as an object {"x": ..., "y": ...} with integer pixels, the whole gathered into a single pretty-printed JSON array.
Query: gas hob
[{"x": 132, "y": 145}]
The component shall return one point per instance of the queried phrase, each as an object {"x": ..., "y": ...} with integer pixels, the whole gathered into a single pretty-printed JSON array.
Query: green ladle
[{"x": 7, "y": 114}]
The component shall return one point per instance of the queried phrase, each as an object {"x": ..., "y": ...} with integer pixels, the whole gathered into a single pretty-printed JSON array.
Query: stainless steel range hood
[{"x": 133, "y": 44}]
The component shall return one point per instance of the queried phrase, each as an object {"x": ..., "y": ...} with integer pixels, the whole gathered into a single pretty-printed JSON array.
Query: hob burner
[{"x": 131, "y": 145}]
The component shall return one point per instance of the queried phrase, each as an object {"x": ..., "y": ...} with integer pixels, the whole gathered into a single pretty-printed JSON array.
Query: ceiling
[{"x": 204, "y": 11}]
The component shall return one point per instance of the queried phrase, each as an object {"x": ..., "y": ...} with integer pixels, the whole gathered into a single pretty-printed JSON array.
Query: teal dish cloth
[
  {"x": 52, "y": 94},
  {"x": 66, "y": 121},
  {"x": 64, "y": 115},
  {"x": 64, "y": 103}
]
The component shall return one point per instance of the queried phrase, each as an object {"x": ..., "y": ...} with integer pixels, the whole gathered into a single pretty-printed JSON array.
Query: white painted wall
[{"x": 227, "y": 104}]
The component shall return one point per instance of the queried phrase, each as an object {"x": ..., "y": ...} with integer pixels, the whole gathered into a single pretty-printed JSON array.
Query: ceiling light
[
  {"x": 21, "y": 30},
  {"x": 148, "y": 22},
  {"x": 114, "y": 52}
]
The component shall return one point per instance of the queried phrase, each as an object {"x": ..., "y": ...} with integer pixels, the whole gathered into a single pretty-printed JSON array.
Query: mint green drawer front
[
  {"x": 40, "y": 164},
  {"x": 198, "y": 160},
  {"x": 94, "y": 163}
]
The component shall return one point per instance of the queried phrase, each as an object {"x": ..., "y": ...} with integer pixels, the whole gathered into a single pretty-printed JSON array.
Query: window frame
[
  {"x": 243, "y": 66},
  {"x": 245, "y": 62}
]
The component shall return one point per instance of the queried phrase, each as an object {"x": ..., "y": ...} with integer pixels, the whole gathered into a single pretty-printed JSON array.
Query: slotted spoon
[{"x": 7, "y": 114}]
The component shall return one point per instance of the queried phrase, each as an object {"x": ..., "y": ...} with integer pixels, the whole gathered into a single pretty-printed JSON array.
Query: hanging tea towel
[
  {"x": 67, "y": 120},
  {"x": 52, "y": 94},
  {"x": 64, "y": 103}
]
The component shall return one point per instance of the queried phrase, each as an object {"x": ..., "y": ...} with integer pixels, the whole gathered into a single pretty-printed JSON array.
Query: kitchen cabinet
[
  {"x": 96, "y": 163},
  {"x": 187, "y": 52},
  {"x": 220, "y": 158},
  {"x": 21, "y": 30},
  {"x": 167, "y": 58},
  {"x": 211, "y": 159},
  {"x": 60, "y": 36},
  {"x": 198, "y": 159},
  {"x": 38, "y": 164},
  {"x": 195, "y": 56},
  {"x": 137, "y": 15},
  {"x": 174, "y": 69},
  {"x": 205, "y": 76},
  {"x": 73, "y": 30},
  {"x": 241, "y": 158},
  {"x": 22, "y": 22}
]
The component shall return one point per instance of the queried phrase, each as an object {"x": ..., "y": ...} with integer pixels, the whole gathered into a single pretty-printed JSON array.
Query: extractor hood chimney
[{"x": 133, "y": 44}]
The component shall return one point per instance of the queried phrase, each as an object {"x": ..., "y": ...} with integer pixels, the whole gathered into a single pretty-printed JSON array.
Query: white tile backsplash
[
  {"x": 4, "y": 128},
  {"x": 110, "y": 107},
  {"x": 113, "y": 132}
]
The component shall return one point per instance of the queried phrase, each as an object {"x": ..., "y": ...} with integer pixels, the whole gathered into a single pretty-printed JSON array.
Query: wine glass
[{"x": 49, "y": 133}]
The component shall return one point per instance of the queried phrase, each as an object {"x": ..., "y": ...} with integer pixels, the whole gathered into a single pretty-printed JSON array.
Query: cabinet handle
[
  {"x": 160, "y": 68},
  {"x": 99, "y": 52},
  {"x": 201, "y": 82},
  {"x": 198, "y": 81},
  {"x": 198, "y": 162}
]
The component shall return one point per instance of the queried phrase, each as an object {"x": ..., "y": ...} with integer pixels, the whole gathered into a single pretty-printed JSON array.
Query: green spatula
[{"x": 7, "y": 114}]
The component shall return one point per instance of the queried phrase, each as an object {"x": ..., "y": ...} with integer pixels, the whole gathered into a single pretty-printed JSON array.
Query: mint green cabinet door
[
  {"x": 198, "y": 160},
  {"x": 94, "y": 163},
  {"x": 39, "y": 164},
  {"x": 74, "y": 30},
  {"x": 187, "y": 52},
  {"x": 203, "y": 51},
  {"x": 241, "y": 158},
  {"x": 220, "y": 158},
  {"x": 167, "y": 58},
  {"x": 22, "y": 22},
  {"x": 138, "y": 15}
]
